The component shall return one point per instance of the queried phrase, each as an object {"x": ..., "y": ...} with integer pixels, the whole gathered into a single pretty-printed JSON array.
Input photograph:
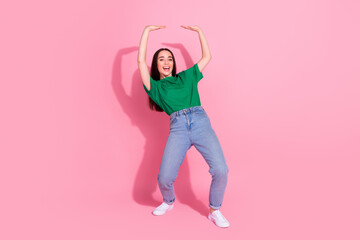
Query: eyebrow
[{"x": 163, "y": 56}]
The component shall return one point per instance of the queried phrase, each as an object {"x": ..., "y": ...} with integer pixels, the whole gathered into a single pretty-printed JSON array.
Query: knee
[
  {"x": 165, "y": 181},
  {"x": 221, "y": 171}
]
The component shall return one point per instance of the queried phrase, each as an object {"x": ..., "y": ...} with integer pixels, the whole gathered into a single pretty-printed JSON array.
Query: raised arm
[
  {"x": 206, "y": 55},
  {"x": 141, "y": 59}
]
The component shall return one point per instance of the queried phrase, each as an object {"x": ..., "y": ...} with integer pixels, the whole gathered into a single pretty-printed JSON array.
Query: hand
[
  {"x": 154, "y": 27},
  {"x": 193, "y": 28}
]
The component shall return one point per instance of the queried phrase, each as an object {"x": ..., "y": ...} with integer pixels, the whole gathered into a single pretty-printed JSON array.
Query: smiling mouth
[{"x": 167, "y": 69}]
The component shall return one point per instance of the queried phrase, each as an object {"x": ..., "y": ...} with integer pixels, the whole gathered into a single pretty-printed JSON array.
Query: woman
[{"x": 177, "y": 95}]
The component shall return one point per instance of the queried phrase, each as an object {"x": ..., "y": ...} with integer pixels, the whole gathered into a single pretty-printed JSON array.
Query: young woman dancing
[{"x": 178, "y": 96}]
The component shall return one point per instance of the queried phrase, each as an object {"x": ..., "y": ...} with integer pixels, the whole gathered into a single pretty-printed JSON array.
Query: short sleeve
[
  {"x": 154, "y": 89},
  {"x": 198, "y": 74},
  {"x": 192, "y": 73}
]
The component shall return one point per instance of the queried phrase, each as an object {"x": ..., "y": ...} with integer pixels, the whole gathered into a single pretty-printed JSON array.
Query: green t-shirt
[{"x": 176, "y": 93}]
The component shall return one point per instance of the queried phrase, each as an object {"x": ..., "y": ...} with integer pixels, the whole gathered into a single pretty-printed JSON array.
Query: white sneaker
[
  {"x": 218, "y": 219},
  {"x": 163, "y": 208}
]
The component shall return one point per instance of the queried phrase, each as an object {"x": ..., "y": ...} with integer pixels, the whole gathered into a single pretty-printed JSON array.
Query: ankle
[{"x": 211, "y": 210}]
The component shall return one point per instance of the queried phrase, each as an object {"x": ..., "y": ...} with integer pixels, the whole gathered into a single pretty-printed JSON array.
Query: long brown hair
[{"x": 154, "y": 73}]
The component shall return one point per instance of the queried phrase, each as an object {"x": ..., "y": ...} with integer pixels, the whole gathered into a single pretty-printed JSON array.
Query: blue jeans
[{"x": 191, "y": 126}]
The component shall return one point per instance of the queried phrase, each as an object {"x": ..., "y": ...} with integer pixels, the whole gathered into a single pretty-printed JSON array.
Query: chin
[{"x": 167, "y": 74}]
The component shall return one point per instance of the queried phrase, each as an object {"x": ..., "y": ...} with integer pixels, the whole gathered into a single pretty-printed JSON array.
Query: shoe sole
[
  {"x": 169, "y": 209},
  {"x": 213, "y": 220}
]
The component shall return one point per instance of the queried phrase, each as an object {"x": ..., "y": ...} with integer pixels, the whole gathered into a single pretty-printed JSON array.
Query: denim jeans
[{"x": 191, "y": 126}]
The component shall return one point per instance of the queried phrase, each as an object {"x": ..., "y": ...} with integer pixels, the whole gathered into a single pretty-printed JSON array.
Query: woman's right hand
[{"x": 154, "y": 27}]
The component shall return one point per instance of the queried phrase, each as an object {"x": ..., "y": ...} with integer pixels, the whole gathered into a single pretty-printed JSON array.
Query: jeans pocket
[
  {"x": 173, "y": 119},
  {"x": 200, "y": 112}
]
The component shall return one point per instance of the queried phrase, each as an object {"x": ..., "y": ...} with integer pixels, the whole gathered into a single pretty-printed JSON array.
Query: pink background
[{"x": 80, "y": 150}]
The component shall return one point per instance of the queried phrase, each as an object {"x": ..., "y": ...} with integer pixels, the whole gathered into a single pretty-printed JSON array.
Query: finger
[
  {"x": 187, "y": 28},
  {"x": 159, "y": 27}
]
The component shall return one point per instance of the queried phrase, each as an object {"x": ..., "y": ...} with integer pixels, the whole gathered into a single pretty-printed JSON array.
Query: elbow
[
  {"x": 207, "y": 57},
  {"x": 140, "y": 61}
]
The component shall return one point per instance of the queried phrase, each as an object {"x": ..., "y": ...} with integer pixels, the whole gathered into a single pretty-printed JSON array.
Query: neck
[{"x": 161, "y": 77}]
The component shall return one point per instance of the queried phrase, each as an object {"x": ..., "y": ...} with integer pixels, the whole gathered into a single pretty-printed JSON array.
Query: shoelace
[
  {"x": 163, "y": 206},
  {"x": 219, "y": 215}
]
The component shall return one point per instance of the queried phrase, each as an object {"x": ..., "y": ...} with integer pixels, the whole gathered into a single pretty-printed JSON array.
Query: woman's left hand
[{"x": 193, "y": 28}]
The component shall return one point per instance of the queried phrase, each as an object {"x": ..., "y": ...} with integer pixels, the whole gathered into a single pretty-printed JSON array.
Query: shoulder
[
  {"x": 154, "y": 84},
  {"x": 189, "y": 70}
]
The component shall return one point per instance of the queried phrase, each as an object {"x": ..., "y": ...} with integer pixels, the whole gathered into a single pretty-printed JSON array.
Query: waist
[{"x": 185, "y": 110}]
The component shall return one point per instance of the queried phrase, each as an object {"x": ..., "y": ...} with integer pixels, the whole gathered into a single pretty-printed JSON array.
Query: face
[{"x": 165, "y": 64}]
